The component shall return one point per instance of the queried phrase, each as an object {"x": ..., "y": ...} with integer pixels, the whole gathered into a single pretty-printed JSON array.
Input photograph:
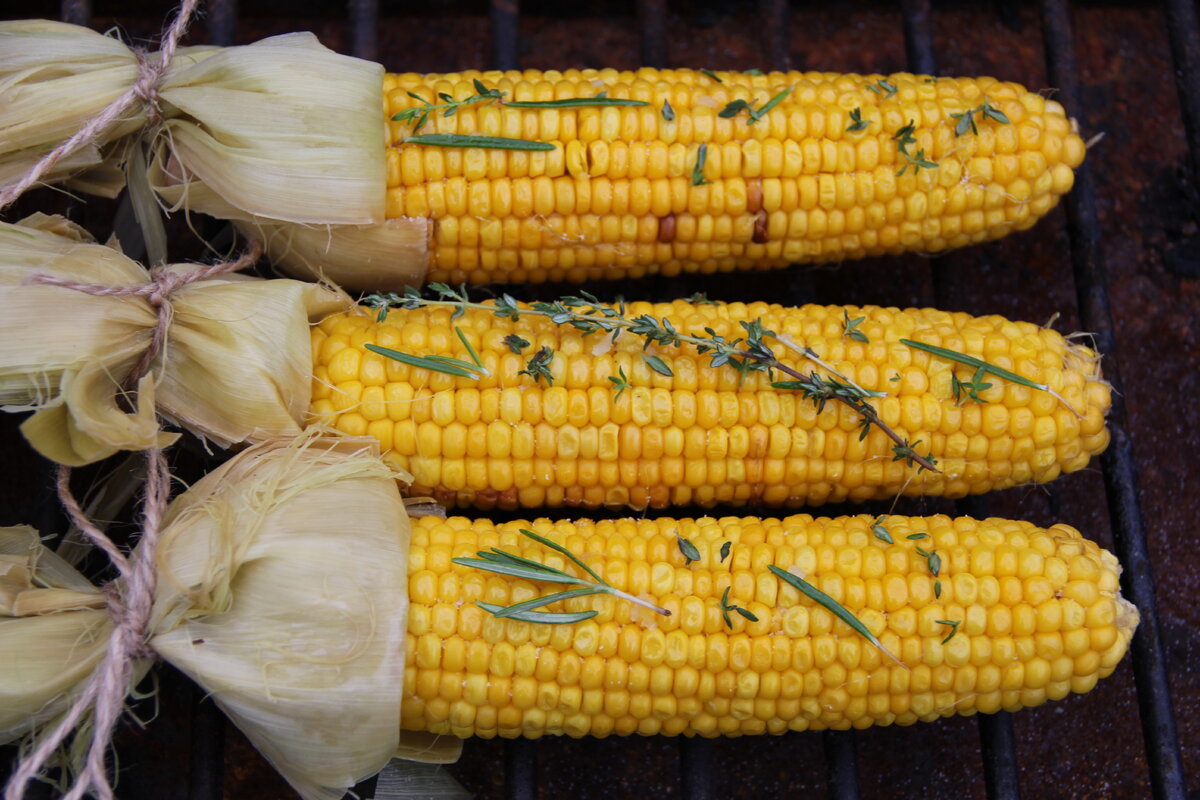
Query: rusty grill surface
[{"x": 1120, "y": 258}]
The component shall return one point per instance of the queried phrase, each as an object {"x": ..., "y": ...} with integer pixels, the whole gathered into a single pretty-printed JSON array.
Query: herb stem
[
  {"x": 561, "y": 314},
  {"x": 634, "y": 599}
]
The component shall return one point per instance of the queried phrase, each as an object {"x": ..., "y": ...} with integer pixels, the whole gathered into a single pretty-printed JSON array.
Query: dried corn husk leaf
[
  {"x": 382, "y": 257},
  {"x": 236, "y": 365},
  {"x": 51, "y": 648},
  {"x": 282, "y": 129},
  {"x": 282, "y": 591}
]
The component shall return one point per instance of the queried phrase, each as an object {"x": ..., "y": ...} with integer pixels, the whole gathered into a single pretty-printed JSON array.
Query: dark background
[{"x": 1145, "y": 218}]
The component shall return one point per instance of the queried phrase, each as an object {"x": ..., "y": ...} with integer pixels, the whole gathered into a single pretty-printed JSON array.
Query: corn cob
[
  {"x": 843, "y": 166},
  {"x": 1014, "y": 615},
  {"x": 706, "y": 435}
]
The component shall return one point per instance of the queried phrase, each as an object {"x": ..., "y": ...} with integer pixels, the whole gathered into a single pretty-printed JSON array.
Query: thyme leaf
[
  {"x": 698, "y": 170},
  {"x": 690, "y": 553}
]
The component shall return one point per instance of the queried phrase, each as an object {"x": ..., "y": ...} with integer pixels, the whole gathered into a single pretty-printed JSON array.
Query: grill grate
[{"x": 699, "y": 770}]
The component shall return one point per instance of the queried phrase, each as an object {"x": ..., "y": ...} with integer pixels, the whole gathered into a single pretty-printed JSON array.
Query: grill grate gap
[
  {"x": 506, "y": 26},
  {"x": 1120, "y": 474}
]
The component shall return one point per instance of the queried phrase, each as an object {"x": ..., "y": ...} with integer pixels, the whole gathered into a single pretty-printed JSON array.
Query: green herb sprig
[
  {"x": 964, "y": 390},
  {"x": 726, "y": 607},
  {"x": 698, "y": 169},
  {"x": 984, "y": 368},
  {"x": 884, "y": 87},
  {"x": 492, "y": 142},
  {"x": 751, "y": 353},
  {"x": 857, "y": 123},
  {"x": 953, "y": 624},
  {"x": 830, "y": 605},
  {"x": 449, "y": 106},
  {"x": 966, "y": 119},
  {"x": 735, "y": 107},
  {"x": 850, "y": 327},
  {"x": 503, "y": 563},
  {"x": 904, "y": 139}
]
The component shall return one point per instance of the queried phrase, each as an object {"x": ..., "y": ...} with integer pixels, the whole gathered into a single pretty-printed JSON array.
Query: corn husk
[
  {"x": 281, "y": 591},
  {"x": 236, "y": 365},
  {"x": 283, "y": 129},
  {"x": 383, "y": 257}
]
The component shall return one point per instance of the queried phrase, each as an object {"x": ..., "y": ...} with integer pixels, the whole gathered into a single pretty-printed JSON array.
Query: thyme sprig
[
  {"x": 984, "y": 368},
  {"x": 726, "y": 607},
  {"x": 850, "y": 327},
  {"x": 884, "y": 87},
  {"x": 514, "y": 566},
  {"x": 857, "y": 123},
  {"x": 698, "y": 169},
  {"x": 747, "y": 354},
  {"x": 904, "y": 139},
  {"x": 449, "y": 106},
  {"x": 966, "y": 119},
  {"x": 735, "y": 107},
  {"x": 964, "y": 390}
]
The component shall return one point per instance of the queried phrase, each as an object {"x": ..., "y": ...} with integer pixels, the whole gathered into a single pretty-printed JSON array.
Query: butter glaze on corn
[
  {"x": 616, "y": 198},
  {"x": 700, "y": 437},
  {"x": 1039, "y": 610}
]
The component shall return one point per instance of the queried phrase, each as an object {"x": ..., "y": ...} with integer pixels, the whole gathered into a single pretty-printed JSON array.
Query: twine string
[{"x": 144, "y": 90}]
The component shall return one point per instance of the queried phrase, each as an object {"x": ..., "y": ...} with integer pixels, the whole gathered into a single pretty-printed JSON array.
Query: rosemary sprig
[
  {"x": 726, "y": 607},
  {"x": 462, "y": 337},
  {"x": 698, "y": 170},
  {"x": 574, "y": 102},
  {"x": 446, "y": 364},
  {"x": 857, "y": 123},
  {"x": 830, "y": 605},
  {"x": 709, "y": 73},
  {"x": 749, "y": 354},
  {"x": 460, "y": 140},
  {"x": 989, "y": 369},
  {"x": 514, "y": 566}
]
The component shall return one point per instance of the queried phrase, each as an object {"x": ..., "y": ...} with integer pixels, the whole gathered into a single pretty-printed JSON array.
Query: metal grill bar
[
  {"x": 76, "y": 12},
  {"x": 775, "y": 26},
  {"x": 841, "y": 764},
  {"x": 652, "y": 22},
  {"x": 222, "y": 22},
  {"x": 520, "y": 769},
  {"x": 1120, "y": 475},
  {"x": 364, "y": 29},
  {"x": 696, "y": 766},
  {"x": 1184, "y": 30},
  {"x": 996, "y": 740},
  {"x": 207, "y": 765},
  {"x": 506, "y": 28}
]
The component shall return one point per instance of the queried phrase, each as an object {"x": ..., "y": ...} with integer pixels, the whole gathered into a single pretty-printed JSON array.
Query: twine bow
[
  {"x": 144, "y": 90},
  {"x": 131, "y": 595}
]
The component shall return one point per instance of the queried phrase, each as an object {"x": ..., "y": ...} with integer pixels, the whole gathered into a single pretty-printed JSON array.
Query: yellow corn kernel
[
  {"x": 1064, "y": 626},
  {"x": 704, "y": 434}
]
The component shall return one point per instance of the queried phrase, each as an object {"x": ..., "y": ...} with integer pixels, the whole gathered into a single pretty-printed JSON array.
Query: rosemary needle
[{"x": 459, "y": 140}]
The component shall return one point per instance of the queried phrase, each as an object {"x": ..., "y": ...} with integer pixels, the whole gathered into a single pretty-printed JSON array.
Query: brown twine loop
[
  {"x": 157, "y": 292},
  {"x": 144, "y": 89},
  {"x": 130, "y": 597}
]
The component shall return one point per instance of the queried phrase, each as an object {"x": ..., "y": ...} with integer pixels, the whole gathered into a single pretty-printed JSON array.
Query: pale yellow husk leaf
[
  {"x": 283, "y": 129},
  {"x": 282, "y": 591},
  {"x": 236, "y": 366}
]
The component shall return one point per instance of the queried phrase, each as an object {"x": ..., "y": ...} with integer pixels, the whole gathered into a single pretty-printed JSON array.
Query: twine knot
[{"x": 144, "y": 89}]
